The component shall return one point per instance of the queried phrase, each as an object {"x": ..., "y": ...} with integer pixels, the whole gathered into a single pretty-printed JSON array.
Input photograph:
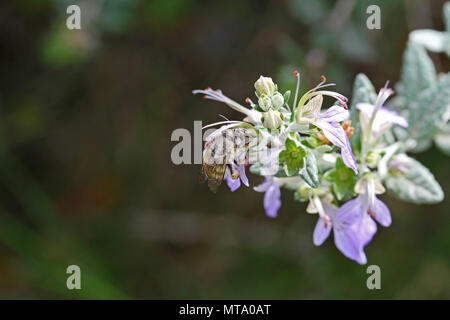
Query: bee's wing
[{"x": 215, "y": 176}]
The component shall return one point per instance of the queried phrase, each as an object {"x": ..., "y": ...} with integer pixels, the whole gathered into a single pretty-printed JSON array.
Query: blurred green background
[{"x": 85, "y": 171}]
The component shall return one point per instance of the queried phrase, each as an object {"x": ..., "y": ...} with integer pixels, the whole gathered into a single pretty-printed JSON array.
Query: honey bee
[{"x": 221, "y": 151}]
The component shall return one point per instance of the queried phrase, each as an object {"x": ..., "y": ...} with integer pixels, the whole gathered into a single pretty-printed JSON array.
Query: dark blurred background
[{"x": 86, "y": 176}]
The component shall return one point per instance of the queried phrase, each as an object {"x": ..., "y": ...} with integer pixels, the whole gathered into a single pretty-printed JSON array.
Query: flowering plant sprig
[{"x": 338, "y": 160}]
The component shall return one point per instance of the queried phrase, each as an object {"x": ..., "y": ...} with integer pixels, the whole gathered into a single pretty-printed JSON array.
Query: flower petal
[
  {"x": 242, "y": 175},
  {"x": 272, "y": 200},
  {"x": 367, "y": 108},
  {"x": 233, "y": 184},
  {"x": 365, "y": 229},
  {"x": 348, "y": 156},
  {"x": 265, "y": 185},
  {"x": 383, "y": 117},
  {"x": 333, "y": 131},
  {"x": 335, "y": 114},
  {"x": 383, "y": 95},
  {"x": 348, "y": 243},
  {"x": 381, "y": 213},
  {"x": 321, "y": 232},
  {"x": 351, "y": 211},
  {"x": 393, "y": 117},
  {"x": 312, "y": 108}
]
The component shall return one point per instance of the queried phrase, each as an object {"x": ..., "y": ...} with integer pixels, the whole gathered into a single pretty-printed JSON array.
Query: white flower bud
[
  {"x": 272, "y": 119},
  {"x": 277, "y": 100},
  {"x": 372, "y": 159},
  {"x": 264, "y": 85},
  {"x": 264, "y": 102}
]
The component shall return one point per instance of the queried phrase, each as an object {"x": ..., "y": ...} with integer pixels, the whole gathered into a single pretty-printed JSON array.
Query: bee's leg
[
  {"x": 234, "y": 173},
  {"x": 202, "y": 176}
]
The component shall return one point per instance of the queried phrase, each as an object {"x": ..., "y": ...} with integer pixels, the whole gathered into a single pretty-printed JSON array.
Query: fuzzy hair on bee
[{"x": 221, "y": 150}]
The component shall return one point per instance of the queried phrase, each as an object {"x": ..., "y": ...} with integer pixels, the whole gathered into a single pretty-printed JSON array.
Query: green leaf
[
  {"x": 418, "y": 72},
  {"x": 310, "y": 173},
  {"x": 442, "y": 139},
  {"x": 418, "y": 185},
  {"x": 257, "y": 108},
  {"x": 427, "y": 112},
  {"x": 292, "y": 157},
  {"x": 343, "y": 180},
  {"x": 363, "y": 91},
  {"x": 312, "y": 142}
]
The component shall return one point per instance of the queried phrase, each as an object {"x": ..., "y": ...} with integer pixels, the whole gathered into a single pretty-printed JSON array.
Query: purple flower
[
  {"x": 364, "y": 227},
  {"x": 357, "y": 216},
  {"x": 328, "y": 122},
  {"x": 272, "y": 202},
  {"x": 383, "y": 119},
  {"x": 368, "y": 188},
  {"x": 236, "y": 176},
  {"x": 346, "y": 238}
]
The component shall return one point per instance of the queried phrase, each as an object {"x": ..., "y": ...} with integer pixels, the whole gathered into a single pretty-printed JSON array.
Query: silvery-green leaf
[
  {"x": 286, "y": 96},
  {"x": 398, "y": 103},
  {"x": 323, "y": 148},
  {"x": 447, "y": 44},
  {"x": 431, "y": 39},
  {"x": 256, "y": 168},
  {"x": 421, "y": 146},
  {"x": 363, "y": 91},
  {"x": 293, "y": 183},
  {"x": 418, "y": 185},
  {"x": 295, "y": 127},
  {"x": 400, "y": 133},
  {"x": 446, "y": 10},
  {"x": 418, "y": 72},
  {"x": 389, "y": 137},
  {"x": 309, "y": 172},
  {"x": 428, "y": 112},
  {"x": 442, "y": 139}
]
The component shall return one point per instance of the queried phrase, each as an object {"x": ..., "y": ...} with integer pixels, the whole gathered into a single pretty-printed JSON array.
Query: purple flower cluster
[{"x": 354, "y": 223}]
